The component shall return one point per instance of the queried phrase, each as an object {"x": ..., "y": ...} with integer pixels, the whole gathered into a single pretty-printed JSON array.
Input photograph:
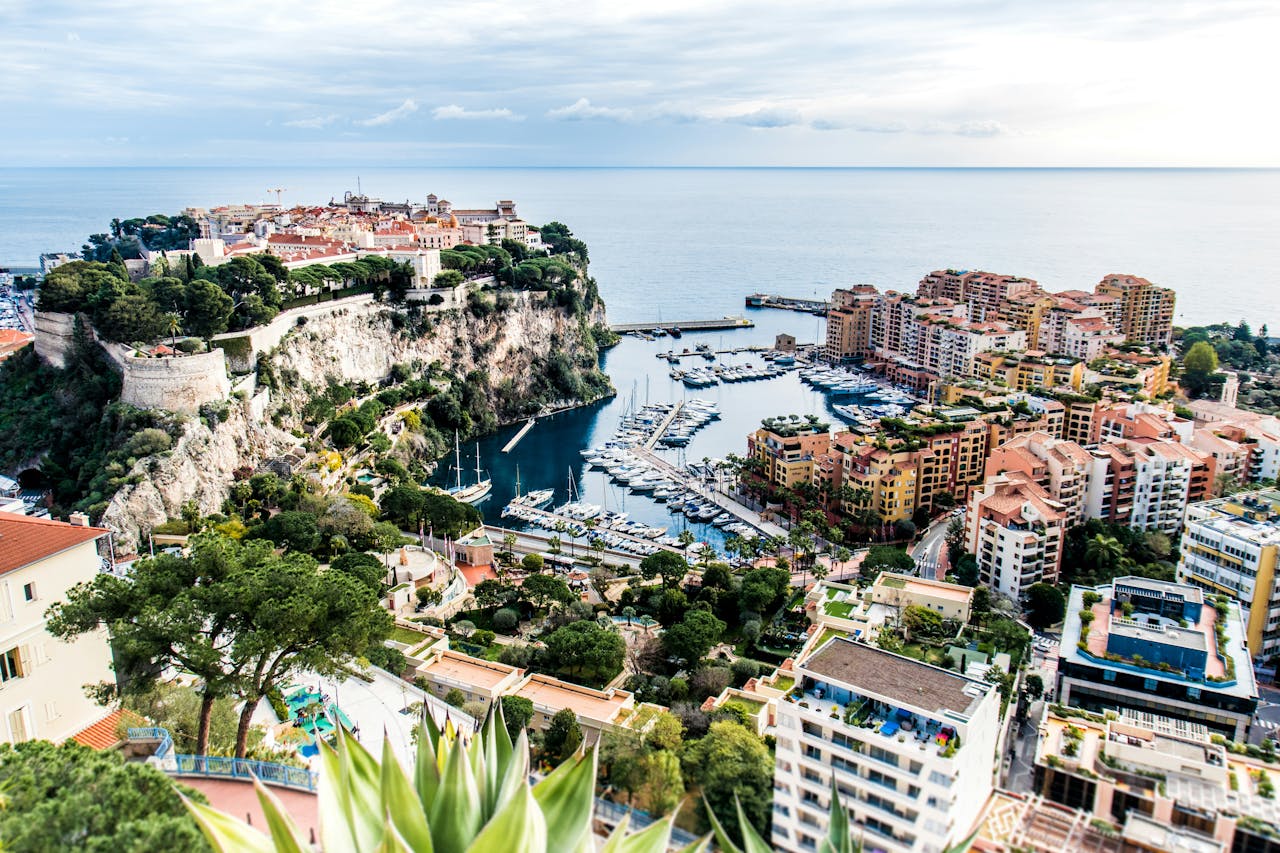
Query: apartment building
[
  {"x": 42, "y": 678},
  {"x": 787, "y": 450},
  {"x": 1055, "y": 333},
  {"x": 1146, "y": 645},
  {"x": 984, "y": 292},
  {"x": 861, "y": 613},
  {"x": 1028, "y": 370},
  {"x": 1062, "y": 468},
  {"x": 890, "y": 478},
  {"x": 909, "y": 747},
  {"x": 1015, "y": 529},
  {"x": 1146, "y": 311},
  {"x": 1164, "y": 781},
  {"x": 849, "y": 323},
  {"x": 1230, "y": 546},
  {"x": 479, "y": 680}
]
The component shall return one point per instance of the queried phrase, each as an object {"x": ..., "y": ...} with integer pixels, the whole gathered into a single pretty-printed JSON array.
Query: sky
[{"x": 663, "y": 82}]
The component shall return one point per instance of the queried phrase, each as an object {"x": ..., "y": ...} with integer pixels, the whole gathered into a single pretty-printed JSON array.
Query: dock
[
  {"x": 788, "y": 303},
  {"x": 731, "y": 322},
  {"x": 661, "y": 429},
  {"x": 726, "y": 503},
  {"x": 515, "y": 439}
]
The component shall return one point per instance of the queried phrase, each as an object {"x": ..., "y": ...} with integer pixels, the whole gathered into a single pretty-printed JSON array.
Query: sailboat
[
  {"x": 537, "y": 498},
  {"x": 473, "y": 493}
]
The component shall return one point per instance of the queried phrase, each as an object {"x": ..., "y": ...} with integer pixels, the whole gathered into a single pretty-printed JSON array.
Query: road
[
  {"x": 1266, "y": 721},
  {"x": 930, "y": 552}
]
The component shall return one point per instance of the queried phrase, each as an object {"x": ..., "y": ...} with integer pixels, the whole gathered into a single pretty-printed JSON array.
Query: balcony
[{"x": 879, "y": 724}]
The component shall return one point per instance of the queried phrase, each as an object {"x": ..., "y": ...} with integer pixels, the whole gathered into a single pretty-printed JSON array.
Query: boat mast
[
  {"x": 517, "y": 479},
  {"x": 477, "y": 463},
  {"x": 457, "y": 460}
]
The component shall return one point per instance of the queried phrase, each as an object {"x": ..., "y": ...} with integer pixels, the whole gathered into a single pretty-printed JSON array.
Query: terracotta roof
[
  {"x": 25, "y": 540},
  {"x": 103, "y": 734}
]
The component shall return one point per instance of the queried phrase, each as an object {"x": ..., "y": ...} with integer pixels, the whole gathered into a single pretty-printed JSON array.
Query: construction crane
[{"x": 278, "y": 191}]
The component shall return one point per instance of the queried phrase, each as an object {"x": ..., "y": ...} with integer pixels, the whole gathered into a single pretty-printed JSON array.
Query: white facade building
[
  {"x": 42, "y": 678},
  {"x": 910, "y": 749}
]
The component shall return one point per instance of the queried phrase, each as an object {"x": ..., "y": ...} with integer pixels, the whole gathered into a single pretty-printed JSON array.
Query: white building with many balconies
[{"x": 910, "y": 747}]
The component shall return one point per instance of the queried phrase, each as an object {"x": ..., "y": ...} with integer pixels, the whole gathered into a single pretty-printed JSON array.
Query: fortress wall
[{"x": 177, "y": 383}]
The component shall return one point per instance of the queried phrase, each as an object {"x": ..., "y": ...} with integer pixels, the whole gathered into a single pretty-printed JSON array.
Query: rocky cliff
[{"x": 510, "y": 337}]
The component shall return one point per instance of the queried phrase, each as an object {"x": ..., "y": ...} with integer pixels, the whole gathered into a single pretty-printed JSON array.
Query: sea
[{"x": 691, "y": 243}]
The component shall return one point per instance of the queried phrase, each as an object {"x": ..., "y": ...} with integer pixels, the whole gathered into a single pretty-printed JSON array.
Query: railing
[
  {"x": 611, "y": 812},
  {"x": 223, "y": 767},
  {"x": 153, "y": 733},
  {"x": 220, "y": 766}
]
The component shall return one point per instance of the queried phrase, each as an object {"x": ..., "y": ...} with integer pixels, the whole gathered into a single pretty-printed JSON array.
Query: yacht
[{"x": 475, "y": 492}]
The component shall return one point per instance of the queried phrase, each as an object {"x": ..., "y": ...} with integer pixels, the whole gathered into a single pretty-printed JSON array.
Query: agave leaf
[
  {"x": 475, "y": 755},
  {"x": 501, "y": 739},
  {"x": 839, "y": 839},
  {"x": 491, "y": 781},
  {"x": 613, "y": 844},
  {"x": 567, "y": 796},
  {"x": 285, "y": 834},
  {"x": 516, "y": 775},
  {"x": 401, "y": 805},
  {"x": 519, "y": 827},
  {"x": 363, "y": 778},
  {"x": 652, "y": 839},
  {"x": 455, "y": 815},
  {"x": 698, "y": 845},
  {"x": 717, "y": 829},
  {"x": 427, "y": 725},
  {"x": 751, "y": 839},
  {"x": 337, "y": 828},
  {"x": 224, "y": 833},
  {"x": 426, "y": 772}
]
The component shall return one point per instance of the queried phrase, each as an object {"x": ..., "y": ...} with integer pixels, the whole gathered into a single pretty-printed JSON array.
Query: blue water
[{"x": 690, "y": 243}]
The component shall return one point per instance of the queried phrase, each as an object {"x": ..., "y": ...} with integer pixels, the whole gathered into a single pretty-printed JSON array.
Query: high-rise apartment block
[
  {"x": 909, "y": 747},
  {"x": 1015, "y": 529},
  {"x": 1146, "y": 311},
  {"x": 1230, "y": 546},
  {"x": 849, "y": 323}
]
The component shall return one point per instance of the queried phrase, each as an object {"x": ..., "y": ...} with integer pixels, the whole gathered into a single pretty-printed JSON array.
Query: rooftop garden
[{"x": 793, "y": 425}]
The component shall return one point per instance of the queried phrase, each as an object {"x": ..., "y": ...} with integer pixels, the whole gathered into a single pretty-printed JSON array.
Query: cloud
[
  {"x": 409, "y": 107},
  {"x": 769, "y": 117},
  {"x": 583, "y": 110},
  {"x": 453, "y": 111},
  {"x": 981, "y": 128},
  {"x": 313, "y": 123}
]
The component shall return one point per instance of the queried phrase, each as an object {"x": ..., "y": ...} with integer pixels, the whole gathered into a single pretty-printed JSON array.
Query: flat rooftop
[
  {"x": 924, "y": 586},
  {"x": 468, "y": 670},
  {"x": 549, "y": 692},
  {"x": 896, "y": 678}
]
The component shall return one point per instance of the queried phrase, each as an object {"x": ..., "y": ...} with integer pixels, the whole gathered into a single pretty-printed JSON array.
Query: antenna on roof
[
  {"x": 277, "y": 191},
  {"x": 359, "y": 189}
]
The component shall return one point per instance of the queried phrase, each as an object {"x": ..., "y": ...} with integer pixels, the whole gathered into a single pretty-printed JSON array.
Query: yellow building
[
  {"x": 1025, "y": 371},
  {"x": 787, "y": 449},
  {"x": 1230, "y": 546},
  {"x": 1146, "y": 311},
  {"x": 889, "y": 477}
]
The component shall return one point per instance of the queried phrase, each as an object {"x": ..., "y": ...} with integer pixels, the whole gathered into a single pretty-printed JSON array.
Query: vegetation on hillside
[{"x": 1207, "y": 350}]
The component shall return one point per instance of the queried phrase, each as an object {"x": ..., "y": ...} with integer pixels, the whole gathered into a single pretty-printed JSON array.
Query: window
[
  {"x": 29, "y": 591},
  {"x": 10, "y": 665},
  {"x": 18, "y": 729}
]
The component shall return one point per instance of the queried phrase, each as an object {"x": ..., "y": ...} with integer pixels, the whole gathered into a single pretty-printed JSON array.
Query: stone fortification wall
[
  {"x": 177, "y": 383},
  {"x": 242, "y": 347},
  {"x": 53, "y": 336}
]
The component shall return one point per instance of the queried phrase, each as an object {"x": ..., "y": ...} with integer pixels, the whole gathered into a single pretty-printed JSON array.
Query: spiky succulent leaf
[
  {"x": 401, "y": 806},
  {"x": 426, "y": 773},
  {"x": 567, "y": 797},
  {"x": 363, "y": 779},
  {"x": 698, "y": 845},
  {"x": 652, "y": 839},
  {"x": 518, "y": 827},
  {"x": 751, "y": 839},
  {"x": 337, "y": 823},
  {"x": 839, "y": 839},
  {"x": 224, "y": 833},
  {"x": 455, "y": 815},
  {"x": 613, "y": 844},
  {"x": 718, "y": 830},
  {"x": 285, "y": 834}
]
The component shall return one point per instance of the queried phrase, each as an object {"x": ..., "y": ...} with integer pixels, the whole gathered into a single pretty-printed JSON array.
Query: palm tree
[
  {"x": 686, "y": 538},
  {"x": 553, "y": 544},
  {"x": 629, "y": 613},
  {"x": 1103, "y": 551}
]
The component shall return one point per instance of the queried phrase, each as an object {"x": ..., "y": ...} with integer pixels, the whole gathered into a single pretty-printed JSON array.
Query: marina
[
  {"x": 524, "y": 430},
  {"x": 661, "y": 329}
]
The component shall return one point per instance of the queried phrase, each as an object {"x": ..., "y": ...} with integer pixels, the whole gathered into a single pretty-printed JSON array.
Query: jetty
[
  {"x": 788, "y": 303},
  {"x": 515, "y": 439},
  {"x": 731, "y": 322},
  {"x": 726, "y": 503},
  {"x": 661, "y": 429}
]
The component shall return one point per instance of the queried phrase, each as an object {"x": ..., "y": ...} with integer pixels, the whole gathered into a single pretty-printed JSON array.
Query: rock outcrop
[{"x": 361, "y": 343}]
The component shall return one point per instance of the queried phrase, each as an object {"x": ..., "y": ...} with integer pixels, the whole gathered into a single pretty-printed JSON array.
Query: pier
[
  {"x": 685, "y": 325},
  {"x": 787, "y": 303},
  {"x": 726, "y": 503},
  {"x": 662, "y": 427},
  {"x": 521, "y": 434}
]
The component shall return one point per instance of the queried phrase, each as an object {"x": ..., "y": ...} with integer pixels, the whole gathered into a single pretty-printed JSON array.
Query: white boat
[{"x": 476, "y": 492}]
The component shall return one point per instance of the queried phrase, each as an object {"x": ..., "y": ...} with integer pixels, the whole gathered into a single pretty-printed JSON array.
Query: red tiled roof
[
  {"x": 102, "y": 734},
  {"x": 24, "y": 540}
]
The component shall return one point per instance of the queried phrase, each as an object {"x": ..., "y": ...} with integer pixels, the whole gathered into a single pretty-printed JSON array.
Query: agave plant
[
  {"x": 839, "y": 835},
  {"x": 467, "y": 795}
]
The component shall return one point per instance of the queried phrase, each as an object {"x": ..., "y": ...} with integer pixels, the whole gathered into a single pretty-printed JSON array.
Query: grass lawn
[
  {"x": 784, "y": 683},
  {"x": 407, "y": 636},
  {"x": 838, "y": 609},
  {"x": 828, "y": 634},
  {"x": 832, "y": 592},
  {"x": 493, "y": 651}
]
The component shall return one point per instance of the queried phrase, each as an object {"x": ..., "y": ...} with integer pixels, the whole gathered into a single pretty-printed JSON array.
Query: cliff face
[
  {"x": 198, "y": 468},
  {"x": 361, "y": 343}
]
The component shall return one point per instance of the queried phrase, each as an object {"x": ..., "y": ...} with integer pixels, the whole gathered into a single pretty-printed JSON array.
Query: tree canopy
[
  {"x": 71, "y": 797},
  {"x": 690, "y": 639},
  {"x": 732, "y": 762},
  {"x": 1046, "y": 605},
  {"x": 585, "y": 651}
]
